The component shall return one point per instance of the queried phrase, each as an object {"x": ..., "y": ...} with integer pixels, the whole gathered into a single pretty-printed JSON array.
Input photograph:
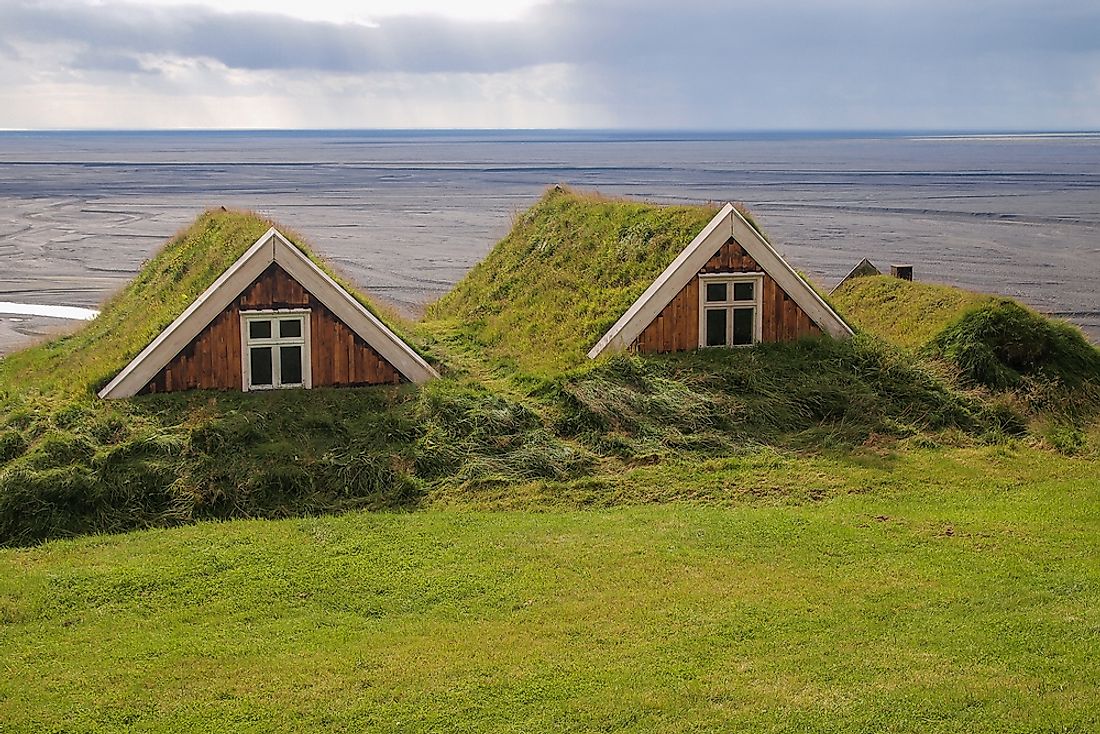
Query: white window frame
[
  {"x": 304, "y": 341},
  {"x": 757, "y": 304}
]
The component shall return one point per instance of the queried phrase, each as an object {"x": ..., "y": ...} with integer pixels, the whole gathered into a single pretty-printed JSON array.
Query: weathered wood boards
[
  {"x": 202, "y": 347},
  {"x": 212, "y": 360},
  {"x": 676, "y": 328}
]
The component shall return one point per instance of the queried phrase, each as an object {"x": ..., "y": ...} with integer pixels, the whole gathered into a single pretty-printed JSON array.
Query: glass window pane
[
  {"x": 290, "y": 327},
  {"x": 259, "y": 329},
  {"x": 716, "y": 327},
  {"x": 290, "y": 365},
  {"x": 743, "y": 291},
  {"x": 744, "y": 320},
  {"x": 716, "y": 292},
  {"x": 260, "y": 365}
]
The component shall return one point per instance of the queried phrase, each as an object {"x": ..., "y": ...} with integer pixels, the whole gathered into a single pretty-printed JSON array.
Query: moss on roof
[
  {"x": 86, "y": 359},
  {"x": 570, "y": 267}
]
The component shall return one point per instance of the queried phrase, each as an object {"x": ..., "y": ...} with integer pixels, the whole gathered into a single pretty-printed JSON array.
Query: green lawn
[{"x": 953, "y": 590}]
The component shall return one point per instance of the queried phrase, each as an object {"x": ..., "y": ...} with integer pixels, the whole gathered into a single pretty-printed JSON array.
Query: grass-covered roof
[
  {"x": 907, "y": 313},
  {"x": 84, "y": 360},
  {"x": 992, "y": 341},
  {"x": 570, "y": 267}
]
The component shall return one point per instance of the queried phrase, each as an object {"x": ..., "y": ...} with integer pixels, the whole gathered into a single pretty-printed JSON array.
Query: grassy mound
[
  {"x": 71, "y": 463},
  {"x": 1003, "y": 345},
  {"x": 570, "y": 267},
  {"x": 817, "y": 394},
  {"x": 166, "y": 460},
  {"x": 907, "y": 313},
  {"x": 91, "y": 466},
  {"x": 989, "y": 342}
]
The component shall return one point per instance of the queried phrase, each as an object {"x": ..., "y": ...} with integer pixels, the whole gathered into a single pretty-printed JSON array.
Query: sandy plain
[{"x": 406, "y": 215}]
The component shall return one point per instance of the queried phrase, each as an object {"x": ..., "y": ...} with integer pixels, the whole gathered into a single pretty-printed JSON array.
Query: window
[
  {"x": 275, "y": 349},
  {"x": 730, "y": 309}
]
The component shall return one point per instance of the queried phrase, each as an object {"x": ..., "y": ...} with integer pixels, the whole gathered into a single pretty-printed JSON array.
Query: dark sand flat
[
  {"x": 21, "y": 331},
  {"x": 406, "y": 217}
]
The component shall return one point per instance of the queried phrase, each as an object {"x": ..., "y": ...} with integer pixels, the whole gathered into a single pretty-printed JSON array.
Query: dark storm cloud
[{"x": 809, "y": 62}]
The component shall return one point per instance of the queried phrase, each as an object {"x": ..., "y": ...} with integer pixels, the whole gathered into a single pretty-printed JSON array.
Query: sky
[{"x": 641, "y": 64}]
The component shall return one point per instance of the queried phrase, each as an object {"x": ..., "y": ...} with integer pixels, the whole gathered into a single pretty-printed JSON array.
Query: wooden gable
[
  {"x": 204, "y": 346},
  {"x": 863, "y": 269},
  {"x": 676, "y": 327},
  {"x": 212, "y": 360},
  {"x": 666, "y": 316}
]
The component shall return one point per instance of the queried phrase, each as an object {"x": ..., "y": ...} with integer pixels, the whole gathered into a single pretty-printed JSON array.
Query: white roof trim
[
  {"x": 726, "y": 223},
  {"x": 271, "y": 247}
]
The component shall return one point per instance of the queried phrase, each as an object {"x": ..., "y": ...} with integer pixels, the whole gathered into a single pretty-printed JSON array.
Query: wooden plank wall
[
  {"x": 676, "y": 328},
  {"x": 212, "y": 361}
]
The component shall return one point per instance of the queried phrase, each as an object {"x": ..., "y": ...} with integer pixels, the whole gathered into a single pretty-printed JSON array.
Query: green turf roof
[
  {"x": 906, "y": 313},
  {"x": 570, "y": 267},
  {"x": 166, "y": 285}
]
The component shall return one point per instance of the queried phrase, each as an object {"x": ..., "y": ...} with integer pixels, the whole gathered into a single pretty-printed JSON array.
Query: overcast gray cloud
[
  {"x": 693, "y": 63},
  {"x": 258, "y": 41}
]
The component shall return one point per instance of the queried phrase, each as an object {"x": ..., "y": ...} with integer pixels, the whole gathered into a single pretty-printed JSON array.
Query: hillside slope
[
  {"x": 947, "y": 591},
  {"x": 519, "y": 413}
]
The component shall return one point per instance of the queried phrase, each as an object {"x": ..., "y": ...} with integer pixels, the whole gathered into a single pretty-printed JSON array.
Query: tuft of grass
[
  {"x": 813, "y": 394},
  {"x": 1004, "y": 346},
  {"x": 1000, "y": 343},
  {"x": 472, "y": 435},
  {"x": 171, "y": 459},
  {"x": 1067, "y": 439}
]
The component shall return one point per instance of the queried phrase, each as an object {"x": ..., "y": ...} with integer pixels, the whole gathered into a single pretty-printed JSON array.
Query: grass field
[{"x": 939, "y": 590}]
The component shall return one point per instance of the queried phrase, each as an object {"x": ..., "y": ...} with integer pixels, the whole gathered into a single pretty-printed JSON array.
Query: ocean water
[{"x": 405, "y": 214}]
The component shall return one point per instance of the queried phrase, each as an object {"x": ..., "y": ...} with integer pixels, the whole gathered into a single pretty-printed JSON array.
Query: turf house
[
  {"x": 274, "y": 319},
  {"x": 728, "y": 288},
  {"x": 522, "y": 417}
]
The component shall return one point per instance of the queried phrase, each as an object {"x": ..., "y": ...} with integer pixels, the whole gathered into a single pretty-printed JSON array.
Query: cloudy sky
[{"x": 702, "y": 64}]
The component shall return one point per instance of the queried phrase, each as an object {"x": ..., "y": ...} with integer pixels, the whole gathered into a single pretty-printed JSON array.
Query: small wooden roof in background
[{"x": 863, "y": 269}]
